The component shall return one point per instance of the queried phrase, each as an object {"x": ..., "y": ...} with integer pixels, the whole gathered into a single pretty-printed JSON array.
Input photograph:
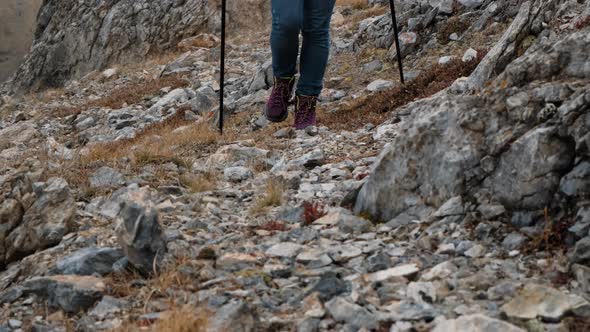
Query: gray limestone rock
[
  {"x": 140, "y": 234},
  {"x": 90, "y": 261},
  {"x": 43, "y": 224}
]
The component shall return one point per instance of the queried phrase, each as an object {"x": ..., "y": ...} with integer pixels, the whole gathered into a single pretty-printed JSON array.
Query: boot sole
[{"x": 276, "y": 119}]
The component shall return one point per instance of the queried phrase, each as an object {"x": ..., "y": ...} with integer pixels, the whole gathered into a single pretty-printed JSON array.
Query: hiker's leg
[
  {"x": 284, "y": 38},
  {"x": 316, "y": 45}
]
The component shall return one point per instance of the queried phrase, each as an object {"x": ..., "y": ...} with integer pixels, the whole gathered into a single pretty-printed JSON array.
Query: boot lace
[{"x": 281, "y": 93}]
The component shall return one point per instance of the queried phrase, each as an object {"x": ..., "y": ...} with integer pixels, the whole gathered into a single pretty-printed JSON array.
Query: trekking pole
[
  {"x": 397, "y": 46},
  {"x": 222, "y": 67}
]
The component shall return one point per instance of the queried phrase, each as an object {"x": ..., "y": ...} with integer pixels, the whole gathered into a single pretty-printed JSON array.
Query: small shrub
[
  {"x": 313, "y": 211},
  {"x": 554, "y": 235},
  {"x": 199, "y": 183},
  {"x": 180, "y": 319},
  {"x": 272, "y": 196}
]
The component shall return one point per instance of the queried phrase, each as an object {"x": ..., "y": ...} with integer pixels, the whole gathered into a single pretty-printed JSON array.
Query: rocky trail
[{"x": 459, "y": 202}]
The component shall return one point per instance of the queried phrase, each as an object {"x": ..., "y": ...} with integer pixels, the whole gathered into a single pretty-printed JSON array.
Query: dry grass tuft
[
  {"x": 374, "y": 108},
  {"x": 186, "y": 319},
  {"x": 453, "y": 25},
  {"x": 168, "y": 277},
  {"x": 272, "y": 196},
  {"x": 130, "y": 94},
  {"x": 180, "y": 319},
  {"x": 200, "y": 182},
  {"x": 159, "y": 143},
  {"x": 355, "y": 4}
]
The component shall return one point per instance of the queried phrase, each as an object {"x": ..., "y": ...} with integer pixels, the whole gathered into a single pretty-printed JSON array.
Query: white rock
[
  {"x": 475, "y": 323},
  {"x": 109, "y": 73},
  {"x": 398, "y": 271},
  {"x": 440, "y": 271},
  {"x": 445, "y": 59},
  {"x": 476, "y": 251},
  {"x": 379, "y": 85},
  {"x": 285, "y": 249},
  {"x": 469, "y": 55},
  {"x": 543, "y": 302}
]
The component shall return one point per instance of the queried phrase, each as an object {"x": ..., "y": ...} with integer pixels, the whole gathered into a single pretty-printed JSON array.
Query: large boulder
[
  {"x": 43, "y": 224},
  {"x": 510, "y": 145},
  {"x": 528, "y": 174}
]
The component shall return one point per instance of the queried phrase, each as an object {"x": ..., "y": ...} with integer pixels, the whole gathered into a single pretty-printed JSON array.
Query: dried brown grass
[
  {"x": 375, "y": 108},
  {"x": 129, "y": 94},
  {"x": 272, "y": 196},
  {"x": 180, "y": 319},
  {"x": 453, "y": 25},
  {"x": 198, "y": 183},
  {"x": 355, "y": 4}
]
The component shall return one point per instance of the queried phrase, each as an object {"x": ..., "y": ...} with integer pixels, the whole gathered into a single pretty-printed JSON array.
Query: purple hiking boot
[
  {"x": 277, "y": 108},
  {"x": 305, "y": 112}
]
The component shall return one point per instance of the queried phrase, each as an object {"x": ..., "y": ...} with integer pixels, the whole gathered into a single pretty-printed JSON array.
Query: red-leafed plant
[{"x": 313, "y": 211}]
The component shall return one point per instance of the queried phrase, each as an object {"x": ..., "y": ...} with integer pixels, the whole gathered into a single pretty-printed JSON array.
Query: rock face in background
[
  {"x": 75, "y": 37},
  {"x": 17, "y": 22}
]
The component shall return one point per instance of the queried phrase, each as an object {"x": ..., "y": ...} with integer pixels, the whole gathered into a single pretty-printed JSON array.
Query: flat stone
[
  {"x": 452, "y": 207},
  {"x": 315, "y": 257},
  {"x": 343, "y": 310},
  {"x": 285, "y": 249},
  {"x": 406, "y": 310},
  {"x": 344, "y": 252},
  {"x": 398, "y": 271},
  {"x": 236, "y": 316},
  {"x": 89, "y": 261},
  {"x": 379, "y": 85},
  {"x": 440, "y": 271},
  {"x": 108, "y": 306},
  {"x": 106, "y": 177},
  {"x": 421, "y": 292},
  {"x": 329, "y": 286},
  {"x": 537, "y": 301},
  {"x": 235, "y": 260},
  {"x": 513, "y": 241},
  {"x": 237, "y": 174},
  {"x": 70, "y": 293},
  {"x": 476, "y": 251},
  {"x": 475, "y": 323},
  {"x": 347, "y": 223}
]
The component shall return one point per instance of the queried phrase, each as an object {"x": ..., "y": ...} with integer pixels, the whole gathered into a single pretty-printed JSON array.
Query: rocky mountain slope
[
  {"x": 458, "y": 202},
  {"x": 17, "y": 19}
]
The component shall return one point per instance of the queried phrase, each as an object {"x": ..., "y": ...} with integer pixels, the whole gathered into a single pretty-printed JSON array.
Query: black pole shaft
[
  {"x": 222, "y": 67},
  {"x": 397, "y": 46}
]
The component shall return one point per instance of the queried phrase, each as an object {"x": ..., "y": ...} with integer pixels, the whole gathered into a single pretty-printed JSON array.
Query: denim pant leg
[
  {"x": 287, "y": 18},
  {"x": 315, "y": 51}
]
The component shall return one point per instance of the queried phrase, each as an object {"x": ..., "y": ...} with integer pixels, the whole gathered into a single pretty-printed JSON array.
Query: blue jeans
[{"x": 311, "y": 18}]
